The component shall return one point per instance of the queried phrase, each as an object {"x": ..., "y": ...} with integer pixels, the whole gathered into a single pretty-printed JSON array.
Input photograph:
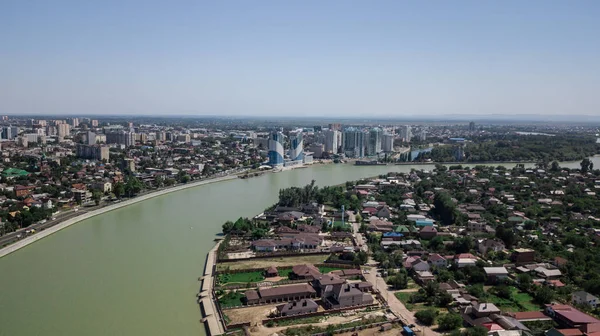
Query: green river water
[{"x": 134, "y": 271}]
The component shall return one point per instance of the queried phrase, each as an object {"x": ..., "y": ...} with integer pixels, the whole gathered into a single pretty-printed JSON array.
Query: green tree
[
  {"x": 450, "y": 321},
  {"x": 426, "y": 316},
  {"x": 118, "y": 189},
  {"x": 398, "y": 281},
  {"x": 544, "y": 295},
  {"x": 525, "y": 281},
  {"x": 96, "y": 196}
]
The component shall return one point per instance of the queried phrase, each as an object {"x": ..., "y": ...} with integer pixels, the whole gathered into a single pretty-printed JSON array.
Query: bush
[{"x": 427, "y": 316}]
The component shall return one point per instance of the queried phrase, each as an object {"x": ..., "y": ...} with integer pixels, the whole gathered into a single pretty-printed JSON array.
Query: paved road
[
  {"x": 393, "y": 303},
  {"x": 13, "y": 236}
]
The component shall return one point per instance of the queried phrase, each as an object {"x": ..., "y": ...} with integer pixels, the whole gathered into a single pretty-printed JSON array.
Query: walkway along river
[{"x": 134, "y": 271}]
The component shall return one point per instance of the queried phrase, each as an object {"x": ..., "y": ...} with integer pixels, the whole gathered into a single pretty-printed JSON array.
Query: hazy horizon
[{"x": 388, "y": 59}]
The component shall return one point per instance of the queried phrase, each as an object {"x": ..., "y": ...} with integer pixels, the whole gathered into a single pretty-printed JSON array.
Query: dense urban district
[
  {"x": 464, "y": 250},
  {"x": 56, "y": 168}
]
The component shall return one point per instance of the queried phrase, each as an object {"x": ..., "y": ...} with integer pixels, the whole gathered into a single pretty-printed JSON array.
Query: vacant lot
[
  {"x": 277, "y": 262},
  {"x": 250, "y": 314}
]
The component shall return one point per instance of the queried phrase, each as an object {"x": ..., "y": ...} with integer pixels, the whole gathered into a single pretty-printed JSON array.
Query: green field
[
  {"x": 245, "y": 277},
  {"x": 231, "y": 299}
]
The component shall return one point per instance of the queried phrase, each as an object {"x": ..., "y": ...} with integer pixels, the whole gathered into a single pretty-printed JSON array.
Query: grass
[
  {"x": 276, "y": 261},
  {"x": 327, "y": 269},
  {"x": 404, "y": 298},
  {"x": 231, "y": 299},
  {"x": 519, "y": 301},
  {"x": 245, "y": 277},
  {"x": 285, "y": 273}
]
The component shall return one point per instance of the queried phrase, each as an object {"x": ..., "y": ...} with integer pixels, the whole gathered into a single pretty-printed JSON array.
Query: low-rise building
[{"x": 303, "y": 306}]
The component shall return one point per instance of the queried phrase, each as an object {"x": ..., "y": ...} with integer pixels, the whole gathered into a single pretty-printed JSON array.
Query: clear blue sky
[{"x": 338, "y": 58}]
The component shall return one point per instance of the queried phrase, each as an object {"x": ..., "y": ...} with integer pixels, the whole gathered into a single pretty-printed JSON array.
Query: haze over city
[{"x": 310, "y": 58}]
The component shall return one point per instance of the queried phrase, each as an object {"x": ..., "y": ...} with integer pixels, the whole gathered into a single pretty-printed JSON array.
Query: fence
[
  {"x": 275, "y": 255},
  {"x": 321, "y": 313},
  {"x": 361, "y": 327}
]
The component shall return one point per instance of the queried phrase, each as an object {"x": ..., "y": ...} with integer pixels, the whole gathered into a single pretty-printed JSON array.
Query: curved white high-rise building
[
  {"x": 296, "y": 147},
  {"x": 276, "y": 149}
]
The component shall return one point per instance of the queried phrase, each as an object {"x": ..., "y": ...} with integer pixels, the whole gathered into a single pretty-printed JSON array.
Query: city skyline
[{"x": 340, "y": 59}]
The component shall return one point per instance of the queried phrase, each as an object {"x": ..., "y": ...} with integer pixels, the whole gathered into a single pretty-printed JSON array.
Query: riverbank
[{"x": 42, "y": 234}]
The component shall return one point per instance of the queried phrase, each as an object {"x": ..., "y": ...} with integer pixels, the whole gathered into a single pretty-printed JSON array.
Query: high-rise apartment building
[
  {"x": 64, "y": 130},
  {"x": 406, "y": 133},
  {"x": 92, "y": 152},
  {"x": 121, "y": 138},
  {"x": 387, "y": 143},
  {"x": 10, "y": 132},
  {"x": 75, "y": 122},
  {"x": 296, "y": 152},
  {"x": 374, "y": 142},
  {"x": 354, "y": 143},
  {"x": 331, "y": 141},
  {"x": 94, "y": 123},
  {"x": 276, "y": 149}
]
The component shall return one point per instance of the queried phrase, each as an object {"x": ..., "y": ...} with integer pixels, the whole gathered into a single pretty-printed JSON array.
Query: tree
[
  {"x": 507, "y": 235},
  {"x": 476, "y": 290},
  {"x": 118, "y": 189},
  {"x": 398, "y": 281},
  {"x": 503, "y": 291},
  {"x": 450, "y": 321},
  {"x": 96, "y": 196},
  {"x": 555, "y": 166},
  {"x": 361, "y": 257},
  {"x": 445, "y": 209},
  {"x": 544, "y": 295},
  {"x": 426, "y": 316},
  {"x": 586, "y": 165},
  {"x": 476, "y": 331},
  {"x": 524, "y": 281}
]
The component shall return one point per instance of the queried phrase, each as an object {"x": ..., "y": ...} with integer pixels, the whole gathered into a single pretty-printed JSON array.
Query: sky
[{"x": 300, "y": 58}]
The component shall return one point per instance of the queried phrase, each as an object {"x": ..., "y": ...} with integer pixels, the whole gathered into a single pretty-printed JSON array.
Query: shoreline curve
[{"x": 65, "y": 224}]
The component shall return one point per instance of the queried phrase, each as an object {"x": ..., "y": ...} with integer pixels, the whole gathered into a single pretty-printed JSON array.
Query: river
[{"x": 134, "y": 271}]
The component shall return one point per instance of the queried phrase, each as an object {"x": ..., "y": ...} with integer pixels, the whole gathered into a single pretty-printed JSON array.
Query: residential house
[
  {"x": 347, "y": 295},
  {"x": 495, "y": 274},
  {"x": 323, "y": 284},
  {"x": 437, "y": 260},
  {"x": 584, "y": 298},
  {"x": 464, "y": 260},
  {"x": 548, "y": 273},
  {"x": 306, "y": 271},
  {"x": 569, "y": 317},
  {"x": 303, "y": 306},
  {"x": 416, "y": 264},
  {"x": 428, "y": 232},
  {"x": 279, "y": 294},
  {"x": 494, "y": 245},
  {"x": 523, "y": 255},
  {"x": 423, "y": 277},
  {"x": 23, "y": 191}
]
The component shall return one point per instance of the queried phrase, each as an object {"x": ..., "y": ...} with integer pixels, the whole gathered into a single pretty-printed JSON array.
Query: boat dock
[{"x": 212, "y": 319}]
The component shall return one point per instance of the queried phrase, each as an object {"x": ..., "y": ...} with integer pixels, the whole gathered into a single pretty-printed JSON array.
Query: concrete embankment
[
  {"x": 31, "y": 239},
  {"x": 212, "y": 319}
]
